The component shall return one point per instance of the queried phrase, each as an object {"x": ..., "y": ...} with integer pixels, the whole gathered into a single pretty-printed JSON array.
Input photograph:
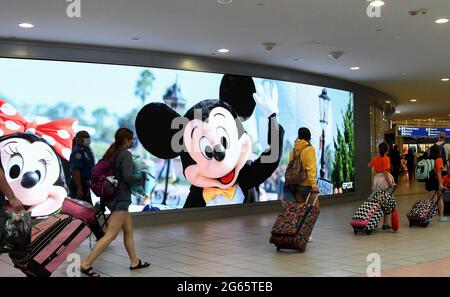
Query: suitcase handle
[
  {"x": 439, "y": 197},
  {"x": 315, "y": 200}
]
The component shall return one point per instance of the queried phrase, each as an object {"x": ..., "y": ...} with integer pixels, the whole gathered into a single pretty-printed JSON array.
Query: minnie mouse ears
[
  {"x": 153, "y": 128},
  {"x": 237, "y": 91}
]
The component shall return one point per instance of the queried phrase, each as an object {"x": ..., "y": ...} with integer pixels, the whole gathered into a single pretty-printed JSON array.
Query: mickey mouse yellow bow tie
[{"x": 211, "y": 193}]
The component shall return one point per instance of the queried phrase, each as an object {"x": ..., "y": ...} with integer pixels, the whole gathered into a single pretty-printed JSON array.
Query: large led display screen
[{"x": 51, "y": 100}]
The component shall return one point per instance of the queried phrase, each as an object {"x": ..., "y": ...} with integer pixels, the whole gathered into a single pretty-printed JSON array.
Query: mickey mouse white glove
[{"x": 266, "y": 97}]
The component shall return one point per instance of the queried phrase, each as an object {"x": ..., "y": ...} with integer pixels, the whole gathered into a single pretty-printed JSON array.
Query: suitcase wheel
[
  {"x": 278, "y": 249},
  {"x": 368, "y": 232},
  {"x": 354, "y": 231},
  {"x": 410, "y": 223}
]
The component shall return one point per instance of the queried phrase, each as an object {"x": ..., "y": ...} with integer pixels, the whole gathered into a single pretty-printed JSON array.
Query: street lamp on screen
[{"x": 324, "y": 105}]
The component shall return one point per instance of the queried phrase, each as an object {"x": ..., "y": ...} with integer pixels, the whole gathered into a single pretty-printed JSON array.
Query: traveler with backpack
[
  {"x": 120, "y": 219},
  {"x": 81, "y": 163},
  {"x": 435, "y": 183},
  {"x": 301, "y": 174},
  {"x": 383, "y": 180},
  {"x": 445, "y": 152}
]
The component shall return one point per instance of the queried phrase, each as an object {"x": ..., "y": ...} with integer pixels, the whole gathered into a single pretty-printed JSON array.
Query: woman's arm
[
  {"x": 126, "y": 166},
  {"x": 439, "y": 176},
  {"x": 387, "y": 176}
]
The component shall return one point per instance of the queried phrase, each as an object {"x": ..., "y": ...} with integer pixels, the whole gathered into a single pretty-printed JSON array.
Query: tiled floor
[{"x": 239, "y": 247}]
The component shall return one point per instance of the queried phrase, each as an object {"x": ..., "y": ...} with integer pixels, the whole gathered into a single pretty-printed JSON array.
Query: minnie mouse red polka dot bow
[{"x": 58, "y": 133}]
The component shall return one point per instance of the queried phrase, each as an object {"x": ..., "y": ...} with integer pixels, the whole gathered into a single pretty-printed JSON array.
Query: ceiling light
[
  {"x": 445, "y": 79},
  {"x": 297, "y": 59},
  {"x": 260, "y": 4},
  {"x": 441, "y": 21},
  {"x": 354, "y": 68},
  {"x": 335, "y": 55},
  {"x": 387, "y": 101},
  {"x": 26, "y": 25},
  {"x": 404, "y": 74},
  {"x": 269, "y": 45},
  {"x": 398, "y": 111},
  {"x": 136, "y": 38},
  {"x": 223, "y": 50},
  {"x": 224, "y": 1},
  {"x": 377, "y": 3},
  {"x": 413, "y": 100}
]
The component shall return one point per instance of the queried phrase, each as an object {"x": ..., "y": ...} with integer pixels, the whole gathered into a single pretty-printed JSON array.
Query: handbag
[
  {"x": 15, "y": 230},
  {"x": 79, "y": 209},
  {"x": 295, "y": 172}
]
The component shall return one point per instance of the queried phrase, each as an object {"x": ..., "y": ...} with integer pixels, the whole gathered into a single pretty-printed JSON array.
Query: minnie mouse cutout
[
  {"x": 31, "y": 156},
  {"x": 212, "y": 143}
]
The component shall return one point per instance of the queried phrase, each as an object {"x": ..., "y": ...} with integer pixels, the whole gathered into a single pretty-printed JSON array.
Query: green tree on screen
[
  {"x": 79, "y": 113},
  {"x": 144, "y": 85},
  {"x": 344, "y": 145}
]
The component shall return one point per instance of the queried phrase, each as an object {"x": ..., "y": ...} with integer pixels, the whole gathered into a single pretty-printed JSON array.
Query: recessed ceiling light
[
  {"x": 223, "y": 50},
  {"x": 413, "y": 100},
  {"x": 136, "y": 38},
  {"x": 260, "y": 4},
  {"x": 387, "y": 101},
  {"x": 441, "y": 21},
  {"x": 354, "y": 68},
  {"x": 224, "y": 1},
  {"x": 445, "y": 79},
  {"x": 297, "y": 59},
  {"x": 377, "y": 3},
  {"x": 26, "y": 25},
  {"x": 398, "y": 111}
]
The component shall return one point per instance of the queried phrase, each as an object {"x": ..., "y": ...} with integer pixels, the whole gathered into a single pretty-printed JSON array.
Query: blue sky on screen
[{"x": 112, "y": 86}]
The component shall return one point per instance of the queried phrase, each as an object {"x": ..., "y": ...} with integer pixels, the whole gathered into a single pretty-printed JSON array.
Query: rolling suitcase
[
  {"x": 423, "y": 211},
  {"x": 294, "y": 225},
  {"x": 52, "y": 240},
  {"x": 367, "y": 218}
]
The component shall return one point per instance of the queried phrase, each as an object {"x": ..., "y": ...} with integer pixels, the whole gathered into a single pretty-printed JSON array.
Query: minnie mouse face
[
  {"x": 217, "y": 149},
  {"x": 34, "y": 172}
]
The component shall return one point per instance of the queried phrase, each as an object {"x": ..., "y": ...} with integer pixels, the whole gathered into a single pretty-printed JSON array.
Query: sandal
[
  {"x": 89, "y": 272},
  {"x": 140, "y": 265}
]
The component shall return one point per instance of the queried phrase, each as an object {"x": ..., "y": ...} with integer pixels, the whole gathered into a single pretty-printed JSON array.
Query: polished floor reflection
[{"x": 240, "y": 247}]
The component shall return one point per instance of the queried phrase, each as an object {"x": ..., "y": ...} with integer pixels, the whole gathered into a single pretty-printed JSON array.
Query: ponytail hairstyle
[
  {"x": 121, "y": 136},
  {"x": 382, "y": 149}
]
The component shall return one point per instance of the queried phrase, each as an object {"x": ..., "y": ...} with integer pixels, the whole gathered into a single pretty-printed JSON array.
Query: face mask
[{"x": 86, "y": 141}]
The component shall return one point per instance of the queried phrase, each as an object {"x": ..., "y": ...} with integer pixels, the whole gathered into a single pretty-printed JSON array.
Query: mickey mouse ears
[{"x": 237, "y": 91}]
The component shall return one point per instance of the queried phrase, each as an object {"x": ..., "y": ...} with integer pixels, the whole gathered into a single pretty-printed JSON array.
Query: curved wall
[{"x": 364, "y": 97}]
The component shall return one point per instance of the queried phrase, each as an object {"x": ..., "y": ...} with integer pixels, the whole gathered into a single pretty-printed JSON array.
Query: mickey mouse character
[
  {"x": 214, "y": 146},
  {"x": 31, "y": 156}
]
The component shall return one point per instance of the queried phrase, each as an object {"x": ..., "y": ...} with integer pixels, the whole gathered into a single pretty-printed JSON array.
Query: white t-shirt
[{"x": 447, "y": 152}]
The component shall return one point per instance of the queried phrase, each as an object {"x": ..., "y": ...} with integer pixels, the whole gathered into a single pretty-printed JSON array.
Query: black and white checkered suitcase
[{"x": 367, "y": 218}]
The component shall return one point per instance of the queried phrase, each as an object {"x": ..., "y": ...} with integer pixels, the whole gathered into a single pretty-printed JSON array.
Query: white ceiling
[{"x": 407, "y": 67}]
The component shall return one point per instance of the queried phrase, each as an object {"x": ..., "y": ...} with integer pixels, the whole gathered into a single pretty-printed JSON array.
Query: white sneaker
[{"x": 310, "y": 239}]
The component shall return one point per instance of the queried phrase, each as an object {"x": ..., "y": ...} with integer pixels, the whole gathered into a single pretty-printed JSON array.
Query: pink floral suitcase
[
  {"x": 52, "y": 240},
  {"x": 294, "y": 225}
]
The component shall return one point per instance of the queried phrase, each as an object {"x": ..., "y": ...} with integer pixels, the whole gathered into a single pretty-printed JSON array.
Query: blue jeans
[{"x": 292, "y": 193}]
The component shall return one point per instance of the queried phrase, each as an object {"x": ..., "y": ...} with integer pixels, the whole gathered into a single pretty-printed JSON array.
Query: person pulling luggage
[{"x": 383, "y": 179}]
